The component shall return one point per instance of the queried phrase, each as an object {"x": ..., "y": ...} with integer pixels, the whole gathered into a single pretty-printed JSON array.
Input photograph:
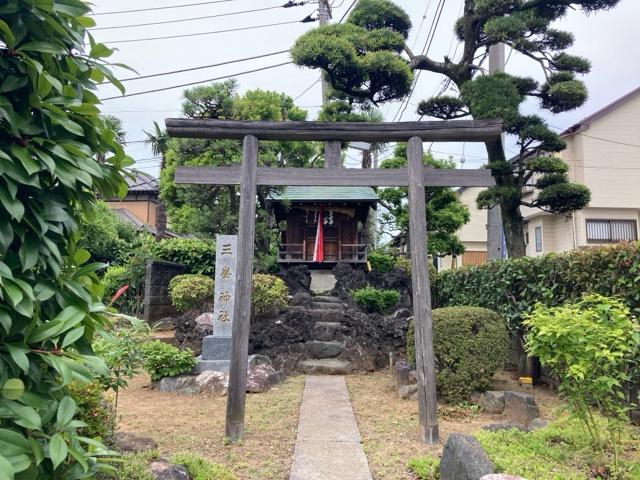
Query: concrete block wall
[{"x": 157, "y": 303}]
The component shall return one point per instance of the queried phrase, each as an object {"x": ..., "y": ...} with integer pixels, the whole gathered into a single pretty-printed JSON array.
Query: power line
[
  {"x": 228, "y": 62},
  {"x": 180, "y": 20},
  {"x": 306, "y": 90},
  {"x": 610, "y": 141},
  {"x": 425, "y": 51},
  {"x": 238, "y": 29},
  {"x": 198, "y": 82},
  {"x": 348, "y": 10},
  {"x": 161, "y": 8}
]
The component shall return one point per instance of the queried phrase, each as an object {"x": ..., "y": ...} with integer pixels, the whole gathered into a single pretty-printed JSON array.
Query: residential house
[
  {"x": 141, "y": 206},
  {"x": 603, "y": 153}
]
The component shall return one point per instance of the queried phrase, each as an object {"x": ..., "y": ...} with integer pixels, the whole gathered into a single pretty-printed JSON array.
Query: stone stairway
[{"x": 328, "y": 341}]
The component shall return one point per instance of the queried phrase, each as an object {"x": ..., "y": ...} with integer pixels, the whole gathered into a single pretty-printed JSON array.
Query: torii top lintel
[{"x": 432, "y": 131}]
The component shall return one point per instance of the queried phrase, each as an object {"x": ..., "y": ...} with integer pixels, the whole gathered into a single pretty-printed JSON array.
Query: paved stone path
[{"x": 328, "y": 444}]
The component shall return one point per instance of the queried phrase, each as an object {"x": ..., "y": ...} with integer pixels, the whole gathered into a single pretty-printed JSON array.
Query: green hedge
[
  {"x": 197, "y": 254},
  {"x": 375, "y": 299},
  {"x": 512, "y": 287},
  {"x": 470, "y": 345}
]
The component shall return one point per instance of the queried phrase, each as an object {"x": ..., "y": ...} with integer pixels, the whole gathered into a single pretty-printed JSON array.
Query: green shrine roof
[{"x": 324, "y": 193}]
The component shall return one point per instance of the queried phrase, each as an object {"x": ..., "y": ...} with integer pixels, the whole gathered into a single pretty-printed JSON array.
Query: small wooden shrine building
[{"x": 323, "y": 224}]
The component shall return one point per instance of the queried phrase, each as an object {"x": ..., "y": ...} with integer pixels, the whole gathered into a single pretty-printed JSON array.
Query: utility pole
[
  {"x": 324, "y": 15},
  {"x": 495, "y": 231}
]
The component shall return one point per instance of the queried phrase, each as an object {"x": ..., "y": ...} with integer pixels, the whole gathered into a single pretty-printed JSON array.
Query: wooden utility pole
[
  {"x": 324, "y": 15},
  {"x": 495, "y": 232}
]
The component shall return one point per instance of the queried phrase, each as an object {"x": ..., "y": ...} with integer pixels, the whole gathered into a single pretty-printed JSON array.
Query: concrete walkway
[{"x": 328, "y": 444}]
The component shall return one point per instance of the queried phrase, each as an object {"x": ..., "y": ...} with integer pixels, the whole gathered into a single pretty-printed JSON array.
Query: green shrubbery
[
  {"x": 470, "y": 345},
  {"x": 191, "y": 291},
  {"x": 164, "y": 360},
  {"x": 200, "y": 469},
  {"x": 93, "y": 409},
  {"x": 269, "y": 293},
  {"x": 382, "y": 262},
  {"x": 512, "y": 287},
  {"x": 197, "y": 254},
  {"x": 592, "y": 348},
  {"x": 374, "y": 299}
]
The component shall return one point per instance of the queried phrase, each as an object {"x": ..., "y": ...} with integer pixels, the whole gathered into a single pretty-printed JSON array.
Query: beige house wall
[{"x": 145, "y": 211}]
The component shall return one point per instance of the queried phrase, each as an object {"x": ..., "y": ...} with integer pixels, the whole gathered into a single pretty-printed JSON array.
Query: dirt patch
[
  {"x": 389, "y": 425},
  {"x": 196, "y": 424}
]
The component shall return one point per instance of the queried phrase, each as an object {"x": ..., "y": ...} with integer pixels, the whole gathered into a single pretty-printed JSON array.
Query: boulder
[
  {"x": 413, "y": 377},
  {"x": 492, "y": 401},
  {"x": 277, "y": 377},
  {"x": 535, "y": 424},
  {"x": 258, "y": 378},
  {"x": 182, "y": 385},
  {"x": 163, "y": 470},
  {"x": 191, "y": 327},
  {"x": 165, "y": 324},
  {"x": 408, "y": 392},
  {"x": 464, "y": 459},
  {"x": 216, "y": 383},
  {"x": 634, "y": 416},
  {"x": 255, "y": 360},
  {"x": 520, "y": 407},
  {"x": 128, "y": 442},
  {"x": 497, "y": 427},
  {"x": 297, "y": 278},
  {"x": 401, "y": 372}
]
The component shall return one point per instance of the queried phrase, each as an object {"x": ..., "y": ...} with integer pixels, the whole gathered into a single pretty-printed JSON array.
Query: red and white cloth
[{"x": 318, "y": 248}]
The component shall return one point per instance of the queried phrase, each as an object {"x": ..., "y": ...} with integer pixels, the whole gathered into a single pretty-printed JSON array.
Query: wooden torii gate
[{"x": 248, "y": 175}]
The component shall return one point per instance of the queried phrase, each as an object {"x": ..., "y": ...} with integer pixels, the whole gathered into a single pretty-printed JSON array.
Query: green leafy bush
[
  {"x": 107, "y": 237},
  {"x": 269, "y": 293},
  {"x": 118, "y": 276},
  {"x": 374, "y": 299},
  {"x": 425, "y": 468},
  {"x": 560, "y": 451},
  {"x": 93, "y": 409},
  {"x": 56, "y": 156},
  {"x": 119, "y": 348},
  {"x": 197, "y": 254},
  {"x": 592, "y": 348},
  {"x": 470, "y": 345},
  {"x": 200, "y": 469},
  {"x": 164, "y": 360},
  {"x": 382, "y": 262},
  {"x": 512, "y": 287},
  {"x": 190, "y": 291}
]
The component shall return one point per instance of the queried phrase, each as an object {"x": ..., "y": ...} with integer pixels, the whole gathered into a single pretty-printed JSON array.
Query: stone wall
[{"x": 157, "y": 304}]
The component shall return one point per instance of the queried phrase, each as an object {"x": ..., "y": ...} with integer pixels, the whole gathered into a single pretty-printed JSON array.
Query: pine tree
[{"x": 367, "y": 58}]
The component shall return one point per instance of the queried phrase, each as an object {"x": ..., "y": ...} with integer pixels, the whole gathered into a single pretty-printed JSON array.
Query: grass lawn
[{"x": 195, "y": 424}]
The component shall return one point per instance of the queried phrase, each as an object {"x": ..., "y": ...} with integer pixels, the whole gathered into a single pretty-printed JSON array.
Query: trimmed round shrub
[
  {"x": 190, "y": 291},
  {"x": 374, "y": 299},
  {"x": 470, "y": 345},
  {"x": 163, "y": 360},
  {"x": 270, "y": 293},
  {"x": 199, "y": 255},
  {"x": 382, "y": 262}
]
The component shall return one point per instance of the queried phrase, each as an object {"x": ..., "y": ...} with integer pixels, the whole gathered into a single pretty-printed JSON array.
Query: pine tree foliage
[{"x": 366, "y": 61}]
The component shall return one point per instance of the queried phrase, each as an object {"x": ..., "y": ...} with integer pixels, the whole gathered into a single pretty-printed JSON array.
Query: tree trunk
[
  {"x": 509, "y": 200},
  {"x": 366, "y": 158},
  {"x": 513, "y": 230}
]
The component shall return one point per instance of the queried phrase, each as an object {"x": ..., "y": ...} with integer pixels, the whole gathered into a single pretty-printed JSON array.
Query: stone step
[
  {"x": 320, "y": 349},
  {"x": 326, "y": 331},
  {"x": 324, "y": 315},
  {"x": 326, "y": 299},
  {"x": 325, "y": 366},
  {"x": 326, "y": 306}
]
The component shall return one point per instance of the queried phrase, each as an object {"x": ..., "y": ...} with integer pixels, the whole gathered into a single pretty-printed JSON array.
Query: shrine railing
[{"x": 346, "y": 252}]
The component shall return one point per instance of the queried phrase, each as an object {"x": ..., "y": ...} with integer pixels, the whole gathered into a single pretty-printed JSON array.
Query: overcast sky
[{"x": 611, "y": 40}]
